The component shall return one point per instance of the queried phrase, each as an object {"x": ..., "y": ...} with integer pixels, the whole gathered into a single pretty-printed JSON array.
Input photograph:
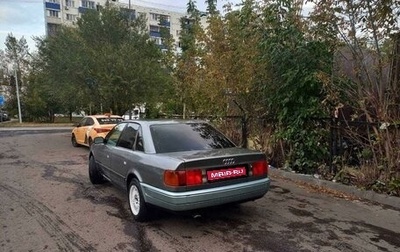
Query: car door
[
  {"x": 81, "y": 129},
  {"x": 123, "y": 156},
  {"x": 106, "y": 156},
  {"x": 89, "y": 125}
]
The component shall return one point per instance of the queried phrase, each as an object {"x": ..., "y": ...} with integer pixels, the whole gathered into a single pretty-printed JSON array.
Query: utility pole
[{"x": 18, "y": 101}]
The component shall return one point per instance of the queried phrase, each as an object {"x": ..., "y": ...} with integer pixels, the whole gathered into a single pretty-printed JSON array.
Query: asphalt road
[{"x": 48, "y": 204}]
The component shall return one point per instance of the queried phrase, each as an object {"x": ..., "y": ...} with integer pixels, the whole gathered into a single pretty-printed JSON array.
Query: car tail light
[
  {"x": 175, "y": 178},
  {"x": 194, "y": 177},
  {"x": 101, "y": 130},
  {"x": 183, "y": 178},
  {"x": 260, "y": 168}
]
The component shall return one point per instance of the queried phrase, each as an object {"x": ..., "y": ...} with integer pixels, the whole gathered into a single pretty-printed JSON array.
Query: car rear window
[
  {"x": 109, "y": 120},
  {"x": 187, "y": 137}
]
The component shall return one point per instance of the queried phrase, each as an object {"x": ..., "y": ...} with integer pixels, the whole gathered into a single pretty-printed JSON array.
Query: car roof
[
  {"x": 164, "y": 121},
  {"x": 105, "y": 115}
]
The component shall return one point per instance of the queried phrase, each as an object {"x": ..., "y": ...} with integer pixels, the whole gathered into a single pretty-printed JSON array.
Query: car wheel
[
  {"x": 90, "y": 141},
  {"x": 73, "y": 141},
  {"x": 136, "y": 202},
  {"x": 94, "y": 173}
]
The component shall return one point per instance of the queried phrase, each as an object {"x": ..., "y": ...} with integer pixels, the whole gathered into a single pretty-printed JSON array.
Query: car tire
[
  {"x": 90, "y": 142},
  {"x": 73, "y": 141},
  {"x": 137, "y": 205},
  {"x": 94, "y": 174}
]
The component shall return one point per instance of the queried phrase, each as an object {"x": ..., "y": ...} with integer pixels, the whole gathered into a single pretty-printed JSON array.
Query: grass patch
[
  {"x": 58, "y": 122},
  {"x": 13, "y": 124}
]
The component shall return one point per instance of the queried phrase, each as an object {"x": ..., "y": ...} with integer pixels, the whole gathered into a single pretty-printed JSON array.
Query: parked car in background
[
  {"x": 4, "y": 116},
  {"x": 132, "y": 114},
  {"x": 178, "y": 165},
  {"x": 92, "y": 126},
  {"x": 137, "y": 112}
]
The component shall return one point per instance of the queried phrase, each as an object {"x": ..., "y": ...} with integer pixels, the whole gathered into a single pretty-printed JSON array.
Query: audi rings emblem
[{"x": 228, "y": 161}]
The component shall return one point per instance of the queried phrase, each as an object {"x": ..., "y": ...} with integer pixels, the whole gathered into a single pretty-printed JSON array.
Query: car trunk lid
[{"x": 221, "y": 166}]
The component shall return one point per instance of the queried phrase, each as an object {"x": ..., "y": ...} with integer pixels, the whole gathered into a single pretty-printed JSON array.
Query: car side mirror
[{"x": 98, "y": 140}]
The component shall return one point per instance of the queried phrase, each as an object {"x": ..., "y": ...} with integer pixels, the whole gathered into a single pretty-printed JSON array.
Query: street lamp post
[{"x": 18, "y": 101}]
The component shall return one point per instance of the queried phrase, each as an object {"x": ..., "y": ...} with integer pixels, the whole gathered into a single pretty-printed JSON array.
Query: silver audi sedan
[{"x": 177, "y": 165}]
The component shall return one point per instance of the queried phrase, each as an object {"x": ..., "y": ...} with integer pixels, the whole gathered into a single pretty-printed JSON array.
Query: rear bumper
[{"x": 183, "y": 201}]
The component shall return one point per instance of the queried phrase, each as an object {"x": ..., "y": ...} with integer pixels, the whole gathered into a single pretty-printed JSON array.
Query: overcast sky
[{"x": 22, "y": 18}]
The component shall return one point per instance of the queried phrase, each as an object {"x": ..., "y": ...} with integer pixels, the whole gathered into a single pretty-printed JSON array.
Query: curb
[
  {"x": 33, "y": 130},
  {"x": 386, "y": 200}
]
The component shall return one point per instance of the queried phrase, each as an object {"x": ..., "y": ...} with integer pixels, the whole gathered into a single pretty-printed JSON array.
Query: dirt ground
[{"x": 48, "y": 204}]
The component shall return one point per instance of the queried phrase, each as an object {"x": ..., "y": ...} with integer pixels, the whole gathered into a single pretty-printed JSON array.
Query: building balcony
[
  {"x": 162, "y": 47},
  {"x": 155, "y": 34},
  {"x": 53, "y": 20},
  {"x": 84, "y": 9},
  {"x": 53, "y": 6},
  {"x": 129, "y": 13},
  {"x": 165, "y": 23}
]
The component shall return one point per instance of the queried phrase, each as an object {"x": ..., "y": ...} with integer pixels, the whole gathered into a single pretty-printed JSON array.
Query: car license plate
[{"x": 226, "y": 173}]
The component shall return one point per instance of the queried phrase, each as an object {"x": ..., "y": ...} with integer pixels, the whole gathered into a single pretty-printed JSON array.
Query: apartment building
[{"x": 66, "y": 12}]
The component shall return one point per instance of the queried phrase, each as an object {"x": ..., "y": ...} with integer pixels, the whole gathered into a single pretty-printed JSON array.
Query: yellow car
[{"x": 92, "y": 126}]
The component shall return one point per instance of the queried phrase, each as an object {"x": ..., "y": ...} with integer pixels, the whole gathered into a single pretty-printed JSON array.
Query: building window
[
  {"x": 53, "y": 1},
  {"x": 53, "y": 13},
  {"x": 88, "y": 4},
  {"x": 71, "y": 17},
  {"x": 178, "y": 32},
  {"x": 154, "y": 28},
  {"x": 69, "y": 3},
  {"x": 165, "y": 18},
  {"x": 157, "y": 41},
  {"x": 154, "y": 16},
  {"x": 158, "y": 17}
]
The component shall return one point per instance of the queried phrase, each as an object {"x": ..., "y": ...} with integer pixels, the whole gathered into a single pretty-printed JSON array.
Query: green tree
[
  {"x": 293, "y": 94},
  {"x": 57, "y": 73},
  {"x": 16, "y": 56},
  {"x": 361, "y": 82},
  {"x": 212, "y": 7},
  {"x": 187, "y": 72},
  {"x": 106, "y": 64}
]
